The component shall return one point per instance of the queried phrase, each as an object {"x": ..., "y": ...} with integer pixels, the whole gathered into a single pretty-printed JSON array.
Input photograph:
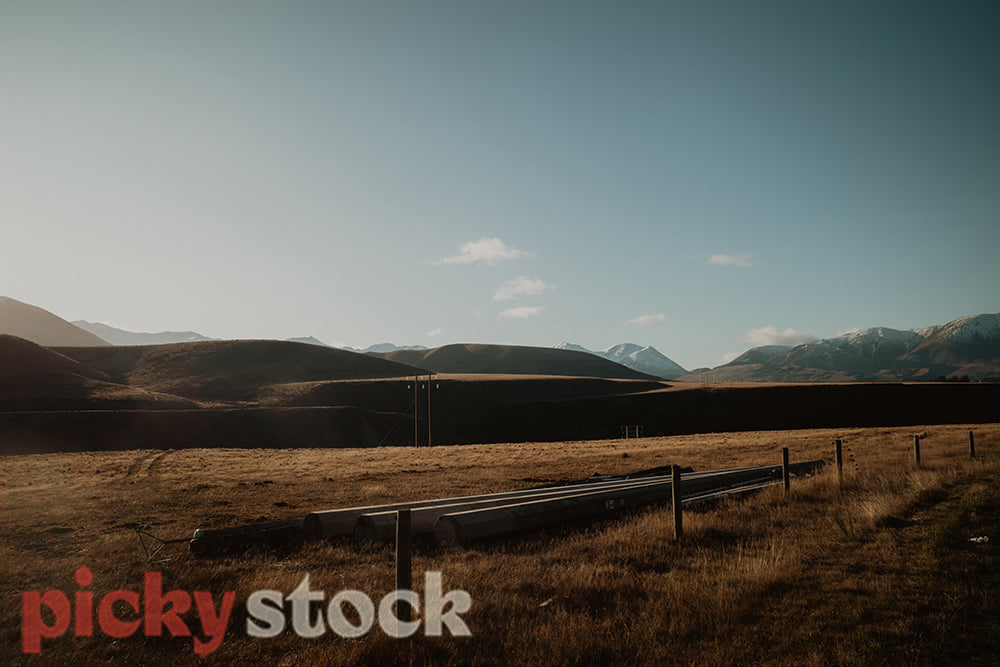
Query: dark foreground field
[
  {"x": 883, "y": 571},
  {"x": 483, "y": 409}
]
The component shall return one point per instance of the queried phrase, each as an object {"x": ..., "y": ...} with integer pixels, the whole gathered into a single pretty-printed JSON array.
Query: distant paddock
[{"x": 474, "y": 410}]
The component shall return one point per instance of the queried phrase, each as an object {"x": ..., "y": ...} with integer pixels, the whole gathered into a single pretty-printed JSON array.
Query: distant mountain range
[
  {"x": 968, "y": 346},
  {"x": 117, "y": 336},
  {"x": 384, "y": 348},
  {"x": 308, "y": 340},
  {"x": 268, "y": 393},
  {"x": 646, "y": 360}
]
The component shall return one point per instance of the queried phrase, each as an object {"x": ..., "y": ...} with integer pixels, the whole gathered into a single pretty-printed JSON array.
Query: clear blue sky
[{"x": 697, "y": 176}]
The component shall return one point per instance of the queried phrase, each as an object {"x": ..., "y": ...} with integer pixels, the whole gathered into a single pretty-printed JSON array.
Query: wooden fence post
[
  {"x": 972, "y": 445},
  {"x": 838, "y": 453},
  {"x": 404, "y": 574},
  {"x": 675, "y": 489},
  {"x": 785, "y": 474},
  {"x": 916, "y": 449}
]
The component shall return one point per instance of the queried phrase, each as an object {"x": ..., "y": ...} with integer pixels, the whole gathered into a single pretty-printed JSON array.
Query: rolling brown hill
[
  {"x": 231, "y": 370},
  {"x": 371, "y": 413},
  {"x": 36, "y": 378},
  {"x": 40, "y": 326},
  {"x": 514, "y": 360}
]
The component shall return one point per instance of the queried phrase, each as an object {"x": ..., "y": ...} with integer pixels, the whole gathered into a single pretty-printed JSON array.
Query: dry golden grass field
[{"x": 881, "y": 571}]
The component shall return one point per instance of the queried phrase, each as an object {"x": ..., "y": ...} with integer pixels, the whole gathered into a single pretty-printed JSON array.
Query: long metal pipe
[
  {"x": 469, "y": 526},
  {"x": 380, "y": 526},
  {"x": 338, "y": 522},
  {"x": 342, "y": 522},
  {"x": 332, "y": 523}
]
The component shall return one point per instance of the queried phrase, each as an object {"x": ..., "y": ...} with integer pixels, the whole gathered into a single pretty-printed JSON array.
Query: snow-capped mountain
[
  {"x": 973, "y": 330},
  {"x": 646, "y": 359},
  {"x": 865, "y": 351},
  {"x": 928, "y": 331},
  {"x": 575, "y": 348},
  {"x": 972, "y": 341},
  {"x": 968, "y": 346},
  {"x": 760, "y": 355}
]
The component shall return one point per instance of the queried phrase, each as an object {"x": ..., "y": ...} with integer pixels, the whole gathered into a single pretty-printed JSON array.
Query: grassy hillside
[
  {"x": 22, "y": 356},
  {"x": 36, "y": 378},
  {"x": 231, "y": 370},
  {"x": 514, "y": 359}
]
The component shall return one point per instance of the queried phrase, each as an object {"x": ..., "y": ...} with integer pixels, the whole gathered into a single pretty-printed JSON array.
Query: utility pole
[
  {"x": 416, "y": 410},
  {"x": 416, "y": 423},
  {"x": 429, "y": 377}
]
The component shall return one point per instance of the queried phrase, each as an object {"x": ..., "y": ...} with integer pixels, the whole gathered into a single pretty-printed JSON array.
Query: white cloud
[
  {"x": 485, "y": 250},
  {"x": 743, "y": 261},
  {"x": 647, "y": 320},
  {"x": 772, "y": 336},
  {"x": 512, "y": 289},
  {"x": 726, "y": 358},
  {"x": 520, "y": 313},
  {"x": 435, "y": 333}
]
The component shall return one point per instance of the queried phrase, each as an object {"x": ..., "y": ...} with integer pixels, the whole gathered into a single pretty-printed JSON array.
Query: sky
[{"x": 702, "y": 177}]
